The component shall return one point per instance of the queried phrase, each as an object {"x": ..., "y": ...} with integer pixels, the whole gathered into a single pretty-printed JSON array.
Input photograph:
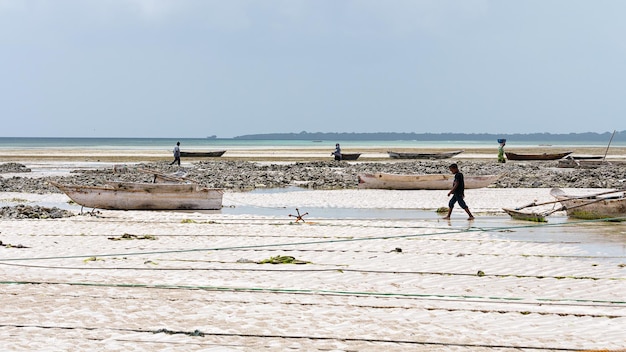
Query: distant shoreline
[
  {"x": 391, "y": 136},
  {"x": 620, "y": 136}
]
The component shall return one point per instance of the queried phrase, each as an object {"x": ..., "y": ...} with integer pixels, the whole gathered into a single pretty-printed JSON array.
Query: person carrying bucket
[{"x": 501, "y": 158}]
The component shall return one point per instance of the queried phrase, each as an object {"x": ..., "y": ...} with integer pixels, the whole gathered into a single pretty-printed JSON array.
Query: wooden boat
[
  {"x": 528, "y": 216},
  {"x": 212, "y": 154},
  {"x": 144, "y": 196},
  {"x": 606, "y": 205},
  {"x": 544, "y": 156},
  {"x": 428, "y": 181},
  {"x": 585, "y": 157},
  {"x": 442, "y": 155},
  {"x": 350, "y": 156},
  {"x": 583, "y": 164}
]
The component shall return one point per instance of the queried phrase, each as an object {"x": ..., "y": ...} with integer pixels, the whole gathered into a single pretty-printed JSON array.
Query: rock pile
[
  {"x": 13, "y": 167},
  {"x": 33, "y": 212},
  {"x": 245, "y": 175}
]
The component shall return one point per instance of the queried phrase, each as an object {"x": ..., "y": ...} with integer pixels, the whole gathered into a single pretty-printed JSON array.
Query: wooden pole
[{"x": 607, "y": 147}]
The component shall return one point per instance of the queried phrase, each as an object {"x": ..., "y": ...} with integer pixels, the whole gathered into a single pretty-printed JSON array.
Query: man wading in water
[{"x": 458, "y": 193}]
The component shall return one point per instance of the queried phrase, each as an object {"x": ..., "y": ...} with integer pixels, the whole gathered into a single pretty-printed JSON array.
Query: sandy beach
[{"x": 375, "y": 270}]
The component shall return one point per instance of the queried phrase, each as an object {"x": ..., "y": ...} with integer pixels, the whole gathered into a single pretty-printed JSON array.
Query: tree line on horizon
[{"x": 408, "y": 136}]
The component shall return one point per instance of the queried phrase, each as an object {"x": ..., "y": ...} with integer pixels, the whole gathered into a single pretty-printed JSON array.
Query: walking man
[
  {"x": 458, "y": 193},
  {"x": 337, "y": 152},
  {"x": 176, "y": 154}
]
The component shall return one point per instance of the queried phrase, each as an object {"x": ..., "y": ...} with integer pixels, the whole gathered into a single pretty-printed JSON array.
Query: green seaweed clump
[{"x": 281, "y": 259}]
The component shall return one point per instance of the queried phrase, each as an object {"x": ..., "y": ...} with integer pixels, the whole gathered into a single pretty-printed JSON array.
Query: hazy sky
[{"x": 194, "y": 68}]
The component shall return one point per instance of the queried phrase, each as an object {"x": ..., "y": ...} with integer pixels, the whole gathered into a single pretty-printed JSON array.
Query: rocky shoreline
[{"x": 246, "y": 175}]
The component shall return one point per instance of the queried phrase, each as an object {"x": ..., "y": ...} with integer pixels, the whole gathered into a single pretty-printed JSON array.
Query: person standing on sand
[
  {"x": 176, "y": 154},
  {"x": 337, "y": 152},
  {"x": 501, "y": 158},
  {"x": 458, "y": 193}
]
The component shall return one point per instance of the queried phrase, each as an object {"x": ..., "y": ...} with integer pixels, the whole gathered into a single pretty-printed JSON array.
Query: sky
[{"x": 196, "y": 68}]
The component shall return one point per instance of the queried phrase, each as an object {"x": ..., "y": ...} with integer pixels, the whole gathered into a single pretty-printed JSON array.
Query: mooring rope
[
  {"x": 312, "y": 291},
  {"x": 334, "y": 269},
  {"x": 341, "y": 240},
  {"x": 198, "y": 333}
]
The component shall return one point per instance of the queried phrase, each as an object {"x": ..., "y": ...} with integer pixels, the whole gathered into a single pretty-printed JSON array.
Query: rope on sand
[
  {"x": 576, "y": 301},
  {"x": 342, "y": 240},
  {"x": 198, "y": 333},
  {"x": 334, "y": 269}
]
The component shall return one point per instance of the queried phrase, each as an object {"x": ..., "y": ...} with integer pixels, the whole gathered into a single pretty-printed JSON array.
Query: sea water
[{"x": 234, "y": 144}]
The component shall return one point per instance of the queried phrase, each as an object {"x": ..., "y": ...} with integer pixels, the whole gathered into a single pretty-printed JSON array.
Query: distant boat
[
  {"x": 144, "y": 196},
  {"x": 350, "y": 156},
  {"x": 441, "y": 155},
  {"x": 422, "y": 181},
  {"x": 212, "y": 154},
  {"x": 544, "y": 156}
]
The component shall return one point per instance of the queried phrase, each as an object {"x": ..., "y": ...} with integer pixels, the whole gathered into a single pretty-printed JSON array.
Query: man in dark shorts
[
  {"x": 458, "y": 193},
  {"x": 176, "y": 154}
]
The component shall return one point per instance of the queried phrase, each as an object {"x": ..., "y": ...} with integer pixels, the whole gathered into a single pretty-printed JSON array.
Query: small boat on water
[
  {"x": 424, "y": 181},
  {"x": 441, "y": 155},
  {"x": 350, "y": 156},
  {"x": 605, "y": 205},
  {"x": 144, "y": 196},
  {"x": 211, "y": 154},
  {"x": 543, "y": 156}
]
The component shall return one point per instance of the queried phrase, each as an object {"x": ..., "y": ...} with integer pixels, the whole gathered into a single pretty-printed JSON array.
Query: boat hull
[
  {"x": 350, "y": 156},
  {"x": 592, "y": 208},
  {"x": 214, "y": 154},
  {"x": 144, "y": 196},
  {"x": 415, "y": 182},
  {"x": 544, "y": 156},
  {"x": 444, "y": 155},
  {"x": 519, "y": 215}
]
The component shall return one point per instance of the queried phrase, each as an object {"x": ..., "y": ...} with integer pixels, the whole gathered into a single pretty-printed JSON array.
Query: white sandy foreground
[{"x": 193, "y": 284}]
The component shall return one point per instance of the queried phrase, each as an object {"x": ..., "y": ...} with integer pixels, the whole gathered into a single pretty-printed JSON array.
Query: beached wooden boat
[
  {"x": 441, "y": 155},
  {"x": 211, "y": 154},
  {"x": 424, "y": 181},
  {"x": 543, "y": 156},
  {"x": 606, "y": 205},
  {"x": 585, "y": 157},
  {"x": 350, "y": 156},
  {"x": 583, "y": 163},
  {"x": 144, "y": 196},
  {"x": 527, "y": 216}
]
